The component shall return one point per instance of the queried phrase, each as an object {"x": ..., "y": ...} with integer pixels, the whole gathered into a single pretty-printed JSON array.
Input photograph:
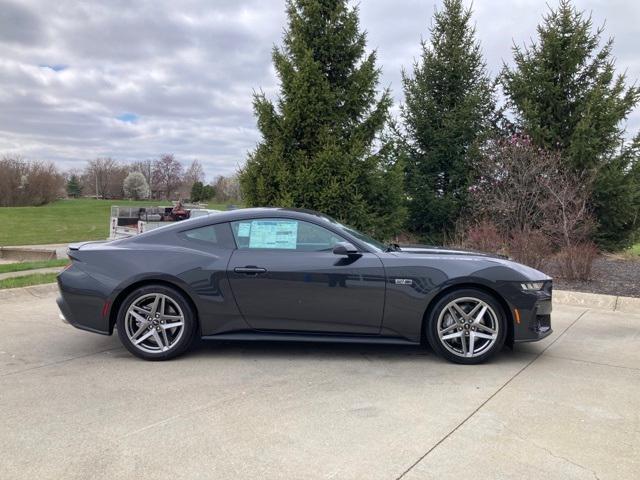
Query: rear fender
[{"x": 120, "y": 293}]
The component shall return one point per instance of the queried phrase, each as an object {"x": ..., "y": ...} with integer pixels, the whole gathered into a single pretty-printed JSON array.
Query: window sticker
[
  {"x": 244, "y": 229},
  {"x": 274, "y": 234}
]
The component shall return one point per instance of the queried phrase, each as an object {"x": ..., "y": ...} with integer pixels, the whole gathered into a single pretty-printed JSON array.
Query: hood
[
  {"x": 530, "y": 273},
  {"x": 431, "y": 250}
]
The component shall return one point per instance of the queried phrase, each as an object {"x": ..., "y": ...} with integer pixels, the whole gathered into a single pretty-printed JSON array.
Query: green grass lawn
[
  {"x": 63, "y": 221},
  {"x": 28, "y": 280},
  {"x": 21, "y": 266}
]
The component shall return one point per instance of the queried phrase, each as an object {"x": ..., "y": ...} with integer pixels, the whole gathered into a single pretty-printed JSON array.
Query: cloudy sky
[{"x": 134, "y": 79}]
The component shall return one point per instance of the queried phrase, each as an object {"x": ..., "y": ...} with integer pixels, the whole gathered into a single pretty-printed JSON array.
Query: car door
[{"x": 285, "y": 276}]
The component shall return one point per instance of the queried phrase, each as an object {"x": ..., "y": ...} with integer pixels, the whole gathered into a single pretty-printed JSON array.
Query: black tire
[
  {"x": 447, "y": 349},
  {"x": 181, "y": 342}
]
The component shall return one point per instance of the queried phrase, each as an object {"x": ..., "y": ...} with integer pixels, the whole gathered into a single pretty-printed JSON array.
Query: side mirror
[{"x": 345, "y": 248}]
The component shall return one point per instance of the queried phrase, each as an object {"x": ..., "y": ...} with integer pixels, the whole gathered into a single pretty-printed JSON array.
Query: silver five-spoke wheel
[
  {"x": 154, "y": 323},
  {"x": 468, "y": 327}
]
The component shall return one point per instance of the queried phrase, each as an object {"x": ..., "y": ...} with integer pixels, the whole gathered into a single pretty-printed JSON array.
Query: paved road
[{"x": 75, "y": 405}]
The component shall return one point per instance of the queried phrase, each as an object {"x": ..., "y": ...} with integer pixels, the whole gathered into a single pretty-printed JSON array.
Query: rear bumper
[
  {"x": 81, "y": 302},
  {"x": 91, "y": 325}
]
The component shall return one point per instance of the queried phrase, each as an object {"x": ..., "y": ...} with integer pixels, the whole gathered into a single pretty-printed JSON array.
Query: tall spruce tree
[
  {"x": 74, "y": 187},
  {"x": 448, "y": 110},
  {"x": 566, "y": 95},
  {"x": 322, "y": 140}
]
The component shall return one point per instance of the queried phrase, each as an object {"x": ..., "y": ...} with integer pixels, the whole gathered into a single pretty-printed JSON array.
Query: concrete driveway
[{"x": 75, "y": 405}]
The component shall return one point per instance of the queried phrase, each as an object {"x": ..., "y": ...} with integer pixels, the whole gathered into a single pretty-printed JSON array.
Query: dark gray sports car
[{"x": 282, "y": 274}]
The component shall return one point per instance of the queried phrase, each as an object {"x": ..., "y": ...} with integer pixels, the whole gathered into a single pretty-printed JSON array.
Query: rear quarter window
[{"x": 218, "y": 235}]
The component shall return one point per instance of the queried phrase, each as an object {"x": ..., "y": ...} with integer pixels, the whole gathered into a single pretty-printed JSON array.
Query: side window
[
  {"x": 214, "y": 235},
  {"x": 283, "y": 233}
]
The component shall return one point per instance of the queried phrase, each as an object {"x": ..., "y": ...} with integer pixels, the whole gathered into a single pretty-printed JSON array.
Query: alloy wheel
[
  {"x": 154, "y": 323},
  {"x": 468, "y": 327}
]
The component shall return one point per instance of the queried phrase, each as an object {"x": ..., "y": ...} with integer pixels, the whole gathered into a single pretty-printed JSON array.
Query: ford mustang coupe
[{"x": 284, "y": 274}]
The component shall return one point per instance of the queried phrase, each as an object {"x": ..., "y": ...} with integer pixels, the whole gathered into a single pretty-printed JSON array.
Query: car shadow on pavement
[
  {"x": 292, "y": 349},
  {"x": 265, "y": 350},
  {"x": 321, "y": 351}
]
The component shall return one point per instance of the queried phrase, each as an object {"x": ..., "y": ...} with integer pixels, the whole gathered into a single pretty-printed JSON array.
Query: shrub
[
  {"x": 406, "y": 238},
  {"x": 575, "y": 262},
  {"x": 530, "y": 247},
  {"x": 484, "y": 236}
]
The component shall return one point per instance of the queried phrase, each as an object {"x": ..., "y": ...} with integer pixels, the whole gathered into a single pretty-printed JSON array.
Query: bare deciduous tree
[
  {"x": 227, "y": 188},
  {"x": 103, "y": 177},
  {"x": 524, "y": 188},
  {"x": 28, "y": 182},
  {"x": 568, "y": 220},
  {"x": 509, "y": 189},
  {"x": 167, "y": 175},
  {"x": 145, "y": 167},
  {"x": 195, "y": 173},
  {"x": 538, "y": 204}
]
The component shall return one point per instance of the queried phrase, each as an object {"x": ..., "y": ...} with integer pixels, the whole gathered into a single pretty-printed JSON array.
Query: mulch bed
[{"x": 611, "y": 275}]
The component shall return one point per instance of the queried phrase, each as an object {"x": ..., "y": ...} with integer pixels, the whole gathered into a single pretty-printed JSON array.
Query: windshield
[{"x": 371, "y": 242}]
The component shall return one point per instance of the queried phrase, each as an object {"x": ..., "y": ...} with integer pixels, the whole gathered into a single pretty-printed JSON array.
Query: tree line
[
  {"x": 549, "y": 167},
  {"x": 165, "y": 178}
]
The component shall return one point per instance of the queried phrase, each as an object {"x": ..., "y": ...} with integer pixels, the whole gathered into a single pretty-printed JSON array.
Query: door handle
[{"x": 250, "y": 270}]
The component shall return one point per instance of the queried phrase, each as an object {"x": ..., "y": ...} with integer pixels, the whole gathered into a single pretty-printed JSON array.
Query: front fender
[{"x": 413, "y": 284}]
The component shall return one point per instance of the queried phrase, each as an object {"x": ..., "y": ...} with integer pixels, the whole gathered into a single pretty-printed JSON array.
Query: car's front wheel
[
  {"x": 156, "y": 322},
  {"x": 467, "y": 326}
]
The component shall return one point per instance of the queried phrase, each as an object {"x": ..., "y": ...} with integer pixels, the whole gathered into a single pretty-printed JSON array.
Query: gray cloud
[
  {"x": 19, "y": 24},
  {"x": 187, "y": 69}
]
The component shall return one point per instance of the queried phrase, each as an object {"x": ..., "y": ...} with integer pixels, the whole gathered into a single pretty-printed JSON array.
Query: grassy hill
[{"x": 63, "y": 221}]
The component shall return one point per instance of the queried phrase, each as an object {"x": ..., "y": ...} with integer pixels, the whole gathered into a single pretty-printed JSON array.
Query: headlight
[{"x": 532, "y": 286}]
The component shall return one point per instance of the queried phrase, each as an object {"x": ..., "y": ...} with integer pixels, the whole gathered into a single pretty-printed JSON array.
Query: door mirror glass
[{"x": 345, "y": 248}]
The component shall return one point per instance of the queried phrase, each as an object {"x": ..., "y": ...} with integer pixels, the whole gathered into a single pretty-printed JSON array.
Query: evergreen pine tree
[
  {"x": 197, "y": 191},
  {"x": 322, "y": 144},
  {"x": 74, "y": 188},
  {"x": 448, "y": 110},
  {"x": 567, "y": 97}
]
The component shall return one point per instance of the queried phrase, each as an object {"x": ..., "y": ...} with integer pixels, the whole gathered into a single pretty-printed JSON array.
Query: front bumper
[
  {"x": 537, "y": 326},
  {"x": 531, "y": 312}
]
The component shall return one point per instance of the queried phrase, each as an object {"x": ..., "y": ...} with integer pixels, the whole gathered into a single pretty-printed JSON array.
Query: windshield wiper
[{"x": 393, "y": 247}]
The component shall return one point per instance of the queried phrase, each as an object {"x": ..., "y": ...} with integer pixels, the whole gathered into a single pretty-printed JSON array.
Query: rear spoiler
[{"x": 78, "y": 246}]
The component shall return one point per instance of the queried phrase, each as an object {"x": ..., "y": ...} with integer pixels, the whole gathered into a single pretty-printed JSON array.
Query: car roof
[
  {"x": 264, "y": 212},
  {"x": 231, "y": 216}
]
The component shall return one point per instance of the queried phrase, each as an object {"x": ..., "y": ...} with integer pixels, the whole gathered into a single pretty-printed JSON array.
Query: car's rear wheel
[
  {"x": 467, "y": 326},
  {"x": 156, "y": 322}
]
